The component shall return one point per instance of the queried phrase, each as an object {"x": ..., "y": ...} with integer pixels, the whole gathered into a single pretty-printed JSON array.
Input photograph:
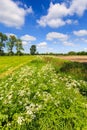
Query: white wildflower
[{"x": 20, "y": 120}]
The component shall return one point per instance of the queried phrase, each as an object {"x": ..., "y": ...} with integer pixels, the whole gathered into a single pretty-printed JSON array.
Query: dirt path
[{"x": 82, "y": 59}]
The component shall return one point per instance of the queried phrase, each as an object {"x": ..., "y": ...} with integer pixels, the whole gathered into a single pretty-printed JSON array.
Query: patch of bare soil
[{"x": 82, "y": 59}]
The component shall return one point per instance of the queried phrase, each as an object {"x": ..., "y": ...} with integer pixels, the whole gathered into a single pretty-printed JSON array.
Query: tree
[
  {"x": 11, "y": 44},
  {"x": 33, "y": 50},
  {"x": 3, "y": 38},
  {"x": 19, "y": 46},
  {"x": 71, "y": 53}
]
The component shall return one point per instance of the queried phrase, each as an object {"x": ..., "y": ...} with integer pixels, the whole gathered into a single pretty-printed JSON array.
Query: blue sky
[{"x": 56, "y": 26}]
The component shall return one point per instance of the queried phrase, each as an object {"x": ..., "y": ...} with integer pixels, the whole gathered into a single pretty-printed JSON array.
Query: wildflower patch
[{"x": 34, "y": 98}]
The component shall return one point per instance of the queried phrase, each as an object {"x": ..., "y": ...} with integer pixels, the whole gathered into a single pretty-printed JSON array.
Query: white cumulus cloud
[
  {"x": 11, "y": 14},
  {"x": 54, "y": 17},
  {"x": 80, "y": 33},
  {"x": 66, "y": 43},
  {"x": 78, "y": 7},
  {"x": 27, "y": 39},
  {"x": 57, "y": 12},
  {"x": 42, "y": 45},
  {"x": 55, "y": 35}
]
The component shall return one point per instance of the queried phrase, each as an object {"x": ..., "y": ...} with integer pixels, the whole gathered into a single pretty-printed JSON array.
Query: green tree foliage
[
  {"x": 82, "y": 53},
  {"x": 3, "y": 38},
  {"x": 11, "y": 44},
  {"x": 77, "y": 53},
  {"x": 33, "y": 50},
  {"x": 19, "y": 46},
  {"x": 71, "y": 53}
]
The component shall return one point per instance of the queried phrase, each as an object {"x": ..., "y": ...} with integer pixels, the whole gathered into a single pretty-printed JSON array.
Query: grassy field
[
  {"x": 42, "y": 93},
  {"x": 11, "y": 63}
]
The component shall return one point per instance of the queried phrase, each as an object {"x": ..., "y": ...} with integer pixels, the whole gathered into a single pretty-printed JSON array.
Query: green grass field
[
  {"x": 9, "y": 64},
  {"x": 42, "y": 93}
]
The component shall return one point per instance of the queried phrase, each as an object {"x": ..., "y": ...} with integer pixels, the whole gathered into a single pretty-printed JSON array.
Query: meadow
[{"x": 42, "y": 93}]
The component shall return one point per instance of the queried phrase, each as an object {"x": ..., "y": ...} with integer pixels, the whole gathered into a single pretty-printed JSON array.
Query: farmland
[
  {"x": 75, "y": 58},
  {"x": 42, "y": 93}
]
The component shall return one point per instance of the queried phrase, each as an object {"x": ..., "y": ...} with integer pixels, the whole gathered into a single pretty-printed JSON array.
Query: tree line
[
  {"x": 77, "y": 53},
  {"x": 9, "y": 42}
]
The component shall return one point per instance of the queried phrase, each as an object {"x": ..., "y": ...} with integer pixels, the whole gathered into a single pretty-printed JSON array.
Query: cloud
[
  {"x": 54, "y": 16},
  {"x": 78, "y": 7},
  {"x": 55, "y": 35},
  {"x": 27, "y": 39},
  {"x": 57, "y": 12},
  {"x": 80, "y": 33},
  {"x": 70, "y": 21},
  {"x": 84, "y": 40},
  {"x": 42, "y": 45},
  {"x": 11, "y": 14},
  {"x": 66, "y": 43}
]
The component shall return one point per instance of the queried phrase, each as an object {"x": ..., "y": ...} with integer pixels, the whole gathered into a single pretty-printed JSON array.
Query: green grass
[
  {"x": 11, "y": 63},
  {"x": 39, "y": 96},
  {"x": 75, "y": 69}
]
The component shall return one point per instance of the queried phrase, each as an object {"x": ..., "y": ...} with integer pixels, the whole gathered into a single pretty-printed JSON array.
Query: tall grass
[{"x": 75, "y": 69}]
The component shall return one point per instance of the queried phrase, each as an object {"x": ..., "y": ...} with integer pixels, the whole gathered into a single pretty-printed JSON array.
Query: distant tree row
[
  {"x": 77, "y": 53},
  {"x": 71, "y": 53},
  {"x": 9, "y": 42}
]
